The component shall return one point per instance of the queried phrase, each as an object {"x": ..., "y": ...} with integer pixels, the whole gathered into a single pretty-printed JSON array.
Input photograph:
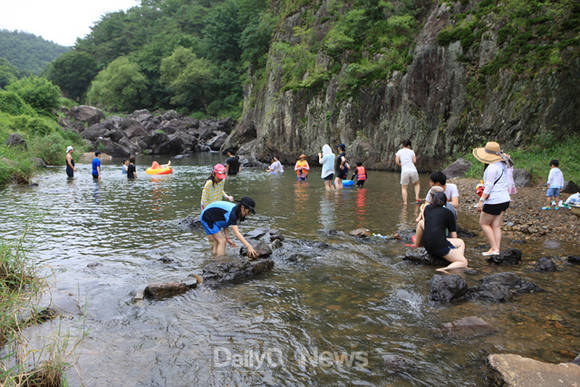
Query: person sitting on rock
[
  {"x": 217, "y": 217},
  {"x": 437, "y": 221}
]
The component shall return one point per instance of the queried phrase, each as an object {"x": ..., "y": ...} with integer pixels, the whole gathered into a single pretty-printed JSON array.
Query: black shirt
[
  {"x": 233, "y": 165},
  {"x": 131, "y": 171},
  {"x": 437, "y": 220}
]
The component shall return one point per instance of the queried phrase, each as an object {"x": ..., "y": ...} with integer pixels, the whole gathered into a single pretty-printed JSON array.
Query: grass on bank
[
  {"x": 19, "y": 288},
  {"x": 535, "y": 158}
]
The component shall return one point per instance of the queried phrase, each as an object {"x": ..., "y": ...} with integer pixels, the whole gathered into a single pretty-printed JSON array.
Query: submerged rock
[
  {"x": 398, "y": 363},
  {"x": 515, "y": 370},
  {"x": 159, "y": 291},
  {"x": 545, "y": 264},
  {"x": 447, "y": 288},
  {"x": 552, "y": 244},
  {"x": 235, "y": 271},
  {"x": 361, "y": 233},
  {"x": 261, "y": 247},
  {"x": 506, "y": 257},
  {"x": 420, "y": 255},
  {"x": 190, "y": 223},
  {"x": 467, "y": 327}
]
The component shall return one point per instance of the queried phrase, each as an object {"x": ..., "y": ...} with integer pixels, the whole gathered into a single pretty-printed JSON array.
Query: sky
[{"x": 61, "y": 21}]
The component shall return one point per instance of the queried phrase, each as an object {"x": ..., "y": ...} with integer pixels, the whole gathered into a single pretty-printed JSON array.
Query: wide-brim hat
[
  {"x": 249, "y": 203},
  {"x": 488, "y": 154},
  {"x": 302, "y": 156}
]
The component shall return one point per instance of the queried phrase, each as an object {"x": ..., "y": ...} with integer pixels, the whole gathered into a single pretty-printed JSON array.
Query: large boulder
[
  {"x": 140, "y": 115},
  {"x": 174, "y": 145},
  {"x": 89, "y": 114},
  {"x": 421, "y": 256},
  {"x": 96, "y": 131},
  {"x": 571, "y": 187},
  {"x": 457, "y": 168},
  {"x": 133, "y": 128},
  {"x": 506, "y": 257},
  {"x": 515, "y": 370},
  {"x": 216, "y": 142},
  {"x": 159, "y": 291},
  {"x": 522, "y": 178},
  {"x": 447, "y": 288},
  {"x": 16, "y": 140},
  {"x": 113, "y": 148},
  {"x": 235, "y": 271}
]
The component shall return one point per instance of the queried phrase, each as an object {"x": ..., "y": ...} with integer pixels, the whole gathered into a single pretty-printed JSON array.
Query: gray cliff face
[{"x": 431, "y": 103}]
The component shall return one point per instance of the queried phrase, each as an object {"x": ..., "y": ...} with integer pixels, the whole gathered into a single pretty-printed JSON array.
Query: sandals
[{"x": 487, "y": 254}]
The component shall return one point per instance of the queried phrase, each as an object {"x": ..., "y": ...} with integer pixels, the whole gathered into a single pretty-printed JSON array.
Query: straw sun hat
[
  {"x": 302, "y": 156},
  {"x": 489, "y": 154}
]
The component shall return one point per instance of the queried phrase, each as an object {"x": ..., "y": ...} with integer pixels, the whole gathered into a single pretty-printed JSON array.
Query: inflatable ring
[
  {"x": 159, "y": 171},
  {"x": 347, "y": 183}
]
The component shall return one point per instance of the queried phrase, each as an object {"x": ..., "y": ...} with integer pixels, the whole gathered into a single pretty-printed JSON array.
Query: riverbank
[{"x": 525, "y": 219}]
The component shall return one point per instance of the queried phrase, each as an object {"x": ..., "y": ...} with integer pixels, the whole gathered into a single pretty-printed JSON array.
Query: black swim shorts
[{"x": 495, "y": 209}]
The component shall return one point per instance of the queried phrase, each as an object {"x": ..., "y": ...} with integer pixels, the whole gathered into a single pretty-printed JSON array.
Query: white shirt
[
  {"x": 276, "y": 167},
  {"x": 498, "y": 192},
  {"x": 327, "y": 165},
  {"x": 406, "y": 156},
  {"x": 451, "y": 192},
  {"x": 556, "y": 178}
]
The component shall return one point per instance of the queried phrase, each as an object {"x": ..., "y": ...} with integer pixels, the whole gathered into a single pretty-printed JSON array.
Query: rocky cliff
[{"x": 454, "y": 93}]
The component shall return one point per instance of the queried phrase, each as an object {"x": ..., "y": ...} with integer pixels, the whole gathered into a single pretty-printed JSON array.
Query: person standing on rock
[
  {"x": 70, "y": 163},
  {"x": 217, "y": 217},
  {"x": 232, "y": 163},
  {"x": 438, "y": 221},
  {"x": 97, "y": 166},
  {"x": 213, "y": 190},
  {"x": 495, "y": 199},
  {"x": 340, "y": 166},
  {"x": 406, "y": 159},
  {"x": 326, "y": 158}
]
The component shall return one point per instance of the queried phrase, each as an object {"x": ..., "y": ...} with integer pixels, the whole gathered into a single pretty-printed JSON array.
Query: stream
[{"x": 353, "y": 313}]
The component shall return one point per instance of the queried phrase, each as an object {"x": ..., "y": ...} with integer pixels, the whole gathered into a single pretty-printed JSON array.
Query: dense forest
[{"x": 27, "y": 52}]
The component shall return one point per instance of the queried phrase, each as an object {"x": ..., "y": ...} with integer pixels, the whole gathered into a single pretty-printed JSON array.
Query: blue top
[
  {"x": 96, "y": 163},
  {"x": 220, "y": 213}
]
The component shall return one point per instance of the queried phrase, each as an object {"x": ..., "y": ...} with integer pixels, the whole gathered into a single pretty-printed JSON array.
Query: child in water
[
  {"x": 360, "y": 174},
  {"x": 302, "y": 168},
  {"x": 124, "y": 167},
  {"x": 213, "y": 190}
]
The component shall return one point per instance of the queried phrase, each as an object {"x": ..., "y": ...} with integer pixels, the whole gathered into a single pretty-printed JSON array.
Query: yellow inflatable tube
[{"x": 159, "y": 171}]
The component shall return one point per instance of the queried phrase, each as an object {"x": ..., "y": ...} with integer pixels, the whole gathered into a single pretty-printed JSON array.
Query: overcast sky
[{"x": 61, "y": 21}]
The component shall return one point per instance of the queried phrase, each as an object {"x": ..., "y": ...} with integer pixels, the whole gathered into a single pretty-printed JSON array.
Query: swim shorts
[
  {"x": 444, "y": 251},
  {"x": 495, "y": 209},
  {"x": 410, "y": 177},
  {"x": 329, "y": 177}
]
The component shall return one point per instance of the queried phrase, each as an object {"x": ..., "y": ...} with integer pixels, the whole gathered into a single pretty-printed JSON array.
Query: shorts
[
  {"x": 442, "y": 251},
  {"x": 211, "y": 230},
  {"x": 495, "y": 209},
  {"x": 360, "y": 183},
  {"x": 553, "y": 192},
  {"x": 341, "y": 174},
  {"x": 410, "y": 177},
  {"x": 329, "y": 177}
]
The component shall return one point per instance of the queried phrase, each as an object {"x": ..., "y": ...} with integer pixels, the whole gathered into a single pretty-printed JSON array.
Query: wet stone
[
  {"x": 257, "y": 233},
  {"x": 575, "y": 259},
  {"x": 500, "y": 287},
  {"x": 447, "y": 288},
  {"x": 190, "y": 223},
  {"x": 552, "y": 244},
  {"x": 94, "y": 264},
  {"x": 421, "y": 256},
  {"x": 545, "y": 264},
  {"x": 506, "y": 257},
  {"x": 361, "y": 233},
  {"x": 397, "y": 363},
  {"x": 159, "y": 291},
  {"x": 515, "y": 370},
  {"x": 262, "y": 248},
  {"x": 235, "y": 271},
  {"x": 467, "y": 327},
  {"x": 276, "y": 235},
  {"x": 276, "y": 244}
]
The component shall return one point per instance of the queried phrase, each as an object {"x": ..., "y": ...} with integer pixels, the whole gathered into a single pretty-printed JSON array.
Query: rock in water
[
  {"x": 190, "y": 223},
  {"x": 276, "y": 235},
  {"x": 361, "y": 233},
  {"x": 545, "y": 264},
  {"x": 467, "y": 327},
  {"x": 159, "y": 291},
  {"x": 500, "y": 287},
  {"x": 447, "y": 288},
  {"x": 515, "y": 370},
  {"x": 574, "y": 259},
  {"x": 420, "y": 255},
  {"x": 457, "y": 168},
  {"x": 506, "y": 257},
  {"x": 235, "y": 271},
  {"x": 552, "y": 244},
  {"x": 261, "y": 247}
]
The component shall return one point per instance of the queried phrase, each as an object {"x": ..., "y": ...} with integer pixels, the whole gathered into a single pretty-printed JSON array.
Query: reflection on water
[{"x": 351, "y": 297}]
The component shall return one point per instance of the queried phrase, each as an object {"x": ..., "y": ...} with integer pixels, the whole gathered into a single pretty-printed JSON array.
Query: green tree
[
  {"x": 120, "y": 86},
  {"x": 38, "y": 92},
  {"x": 73, "y": 73},
  {"x": 8, "y": 73},
  {"x": 189, "y": 78},
  {"x": 222, "y": 32}
]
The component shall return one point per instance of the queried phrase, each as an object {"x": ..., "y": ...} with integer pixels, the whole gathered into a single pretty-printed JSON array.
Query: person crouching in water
[
  {"x": 437, "y": 220},
  {"x": 218, "y": 216}
]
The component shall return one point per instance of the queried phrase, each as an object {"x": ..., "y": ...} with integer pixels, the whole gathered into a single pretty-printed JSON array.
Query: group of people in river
[{"x": 436, "y": 228}]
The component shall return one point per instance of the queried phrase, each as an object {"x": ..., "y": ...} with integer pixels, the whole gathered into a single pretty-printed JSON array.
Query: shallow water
[{"x": 354, "y": 298}]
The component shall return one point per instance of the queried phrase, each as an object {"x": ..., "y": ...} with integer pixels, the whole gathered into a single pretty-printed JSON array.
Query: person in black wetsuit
[
  {"x": 70, "y": 163},
  {"x": 131, "y": 170},
  {"x": 437, "y": 220},
  {"x": 232, "y": 164}
]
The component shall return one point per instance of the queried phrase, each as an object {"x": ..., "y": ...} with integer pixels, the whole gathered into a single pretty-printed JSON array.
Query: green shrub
[
  {"x": 38, "y": 92},
  {"x": 12, "y": 103}
]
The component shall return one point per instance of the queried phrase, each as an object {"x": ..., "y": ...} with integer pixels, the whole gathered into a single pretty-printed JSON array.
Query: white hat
[{"x": 69, "y": 148}]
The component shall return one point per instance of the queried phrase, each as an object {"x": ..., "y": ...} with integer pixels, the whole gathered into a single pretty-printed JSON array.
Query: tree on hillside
[
  {"x": 73, "y": 72},
  {"x": 8, "y": 73},
  {"x": 120, "y": 86},
  {"x": 38, "y": 92},
  {"x": 189, "y": 78}
]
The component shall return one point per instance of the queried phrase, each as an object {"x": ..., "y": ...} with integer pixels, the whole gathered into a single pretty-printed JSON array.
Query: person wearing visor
[
  {"x": 213, "y": 190},
  {"x": 219, "y": 216}
]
